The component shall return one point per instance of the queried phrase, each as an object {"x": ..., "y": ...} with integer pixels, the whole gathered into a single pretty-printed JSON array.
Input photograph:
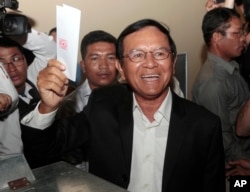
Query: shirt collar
[
  {"x": 85, "y": 89},
  {"x": 230, "y": 67},
  {"x": 164, "y": 109}
]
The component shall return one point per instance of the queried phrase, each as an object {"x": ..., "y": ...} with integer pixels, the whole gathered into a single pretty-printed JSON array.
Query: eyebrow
[{"x": 94, "y": 54}]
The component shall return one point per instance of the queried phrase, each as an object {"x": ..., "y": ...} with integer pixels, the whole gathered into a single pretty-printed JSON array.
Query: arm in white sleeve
[
  {"x": 229, "y": 4},
  {"x": 37, "y": 120},
  {"x": 10, "y": 132},
  {"x": 7, "y": 87},
  {"x": 44, "y": 49}
]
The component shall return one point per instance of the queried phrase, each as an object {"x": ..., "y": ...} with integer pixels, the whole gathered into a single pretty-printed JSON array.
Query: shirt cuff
[{"x": 37, "y": 120}]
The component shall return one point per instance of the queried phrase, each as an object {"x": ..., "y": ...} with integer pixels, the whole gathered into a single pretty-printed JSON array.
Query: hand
[
  {"x": 238, "y": 167},
  {"x": 5, "y": 102},
  {"x": 211, "y": 5},
  {"x": 243, "y": 120},
  {"x": 52, "y": 84}
]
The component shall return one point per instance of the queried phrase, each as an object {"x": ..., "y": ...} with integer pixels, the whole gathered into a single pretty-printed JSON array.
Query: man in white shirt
[{"x": 140, "y": 136}]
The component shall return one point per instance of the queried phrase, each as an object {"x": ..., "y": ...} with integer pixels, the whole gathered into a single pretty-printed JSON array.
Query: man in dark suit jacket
[{"x": 140, "y": 136}]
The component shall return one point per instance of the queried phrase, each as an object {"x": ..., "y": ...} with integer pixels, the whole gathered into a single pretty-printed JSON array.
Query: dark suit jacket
[{"x": 194, "y": 159}]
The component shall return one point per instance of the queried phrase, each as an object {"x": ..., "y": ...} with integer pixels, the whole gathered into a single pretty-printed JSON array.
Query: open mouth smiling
[{"x": 150, "y": 77}]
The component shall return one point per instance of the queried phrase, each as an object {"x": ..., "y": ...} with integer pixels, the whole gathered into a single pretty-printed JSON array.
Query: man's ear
[
  {"x": 120, "y": 70},
  {"x": 216, "y": 37},
  {"x": 174, "y": 62},
  {"x": 82, "y": 66}
]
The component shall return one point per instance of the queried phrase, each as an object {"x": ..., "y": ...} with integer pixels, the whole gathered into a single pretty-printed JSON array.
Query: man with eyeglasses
[
  {"x": 140, "y": 135},
  {"x": 14, "y": 58},
  {"x": 98, "y": 51},
  {"x": 219, "y": 87}
]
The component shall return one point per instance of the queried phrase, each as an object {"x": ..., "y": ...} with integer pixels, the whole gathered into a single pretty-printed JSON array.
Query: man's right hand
[
  {"x": 52, "y": 84},
  {"x": 5, "y": 102}
]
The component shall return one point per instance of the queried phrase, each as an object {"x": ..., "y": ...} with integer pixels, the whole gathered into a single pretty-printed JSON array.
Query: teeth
[{"x": 150, "y": 76}]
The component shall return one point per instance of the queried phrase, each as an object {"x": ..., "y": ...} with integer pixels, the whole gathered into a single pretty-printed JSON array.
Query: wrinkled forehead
[{"x": 149, "y": 37}]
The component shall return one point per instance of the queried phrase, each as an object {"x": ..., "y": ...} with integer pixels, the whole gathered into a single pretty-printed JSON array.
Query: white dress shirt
[
  {"x": 40, "y": 121},
  {"x": 149, "y": 146},
  {"x": 80, "y": 95}
]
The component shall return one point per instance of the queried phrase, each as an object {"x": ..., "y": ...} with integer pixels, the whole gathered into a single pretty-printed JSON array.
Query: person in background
[
  {"x": 98, "y": 51},
  {"x": 240, "y": 167},
  {"x": 24, "y": 76},
  {"x": 244, "y": 58},
  {"x": 10, "y": 132},
  {"x": 140, "y": 135},
  {"x": 219, "y": 87},
  {"x": 53, "y": 33},
  {"x": 243, "y": 121},
  {"x": 5, "y": 101}
]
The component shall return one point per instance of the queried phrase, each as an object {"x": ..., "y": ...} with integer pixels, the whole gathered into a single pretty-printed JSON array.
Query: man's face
[
  {"x": 99, "y": 64},
  {"x": 16, "y": 66},
  {"x": 233, "y": 42},
  {"x": 149, "y": 77}
]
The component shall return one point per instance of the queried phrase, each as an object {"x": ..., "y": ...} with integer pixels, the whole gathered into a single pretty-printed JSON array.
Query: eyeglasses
[
  {"x": 137, "y": 56},
  {"x": 16, "y": 61},
  {"x": 238, "y": 34}
]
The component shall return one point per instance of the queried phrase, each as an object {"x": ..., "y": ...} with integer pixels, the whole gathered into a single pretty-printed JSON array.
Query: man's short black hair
[
  {"x": 217, "y": 20},
  {"x": 6, "y": 42},
  {"x": 9, "y": 43},
  {"x": 52, "y": 30},
  {"x": 94, "y": 37}
]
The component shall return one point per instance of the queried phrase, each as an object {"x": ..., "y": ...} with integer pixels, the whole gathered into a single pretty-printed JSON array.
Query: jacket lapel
[
  {"x": 175, "y": 135},
  {"x": 126, "y": 123},
  {"x": 175, "y": 138}
]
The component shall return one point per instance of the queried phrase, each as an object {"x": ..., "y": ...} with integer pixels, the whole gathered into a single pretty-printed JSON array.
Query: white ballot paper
[{"x": 68, "y": 29}]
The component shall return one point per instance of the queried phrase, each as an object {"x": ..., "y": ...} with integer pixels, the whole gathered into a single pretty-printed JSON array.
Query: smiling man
[{"x": 141, "y": 135}]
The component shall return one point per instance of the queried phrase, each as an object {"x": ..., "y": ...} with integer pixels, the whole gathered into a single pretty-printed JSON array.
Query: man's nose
[{"x": 149, "y": 60}]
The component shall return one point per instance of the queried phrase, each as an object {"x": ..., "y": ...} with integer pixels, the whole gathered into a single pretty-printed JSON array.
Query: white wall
[{"x": 182, "y": 16}]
